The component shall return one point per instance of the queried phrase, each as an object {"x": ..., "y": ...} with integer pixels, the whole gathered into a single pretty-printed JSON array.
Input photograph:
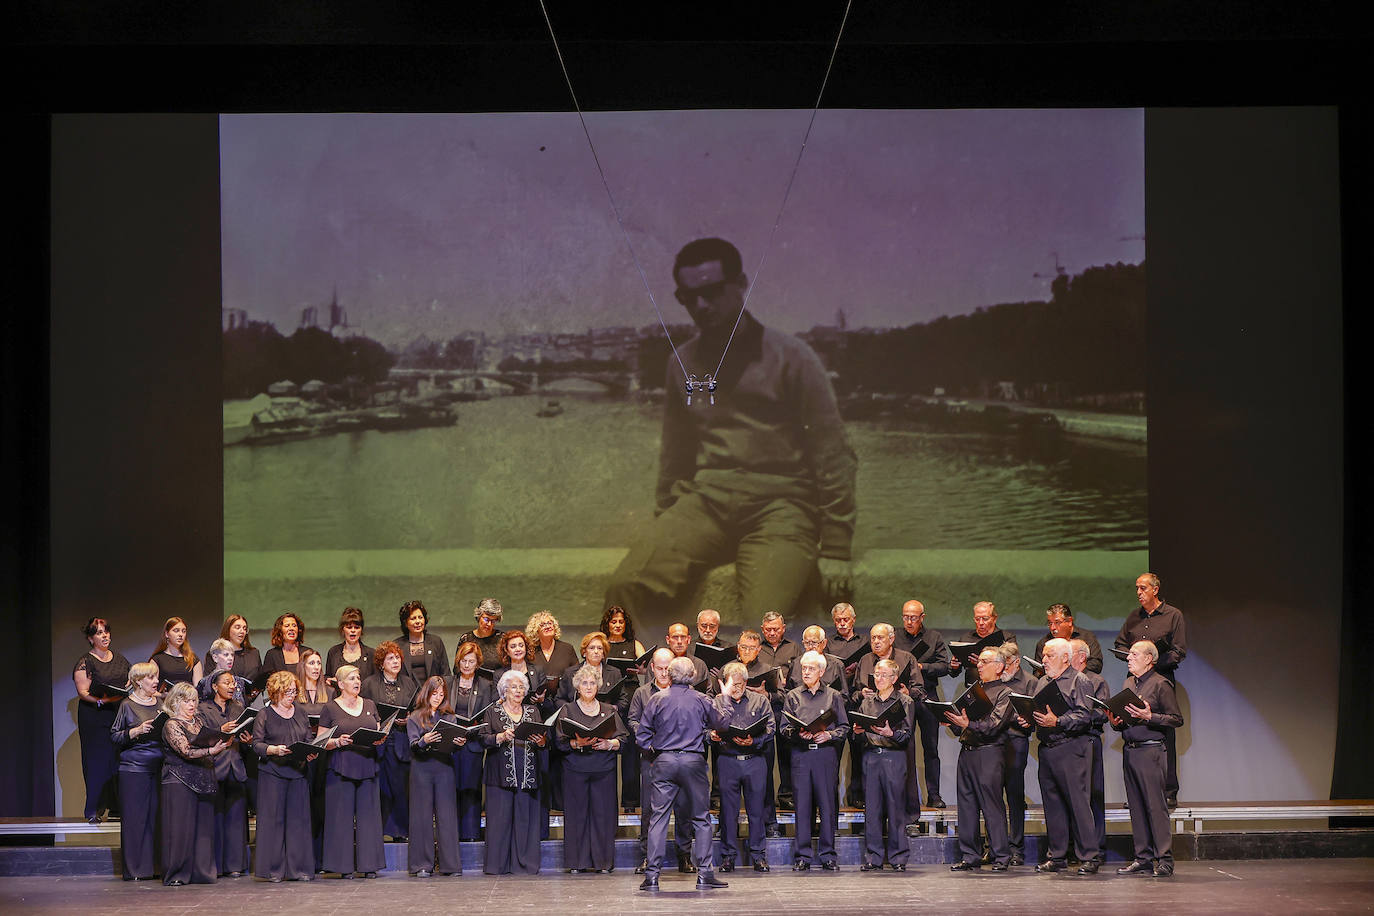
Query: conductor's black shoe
[
  {"x": 642, "y": 867},
  {"x": 772, "y": 832},
  {"x": 830, "y": 865},
  {"x": 964, "y": 866},
  {"x": 1088, "y": 868},
  {"x": 1135, "y": 868},
  {"x": 650, "y": 883},
  {"x": 1050, "y": 866},
  {"x": 999, "y": 866},
  {"x": 1163, "y": 870},
  {"x": 801, "y": 865},
  {"x": 1018, "y": 859},
  {"x": 761, "y": 865},
  {"x": 707, "y": 879},
  {"x": 935, "y": 801}
]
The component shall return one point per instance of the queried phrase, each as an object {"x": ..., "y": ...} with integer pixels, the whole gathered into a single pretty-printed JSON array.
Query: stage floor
[{"x": 1252, "y": 886}]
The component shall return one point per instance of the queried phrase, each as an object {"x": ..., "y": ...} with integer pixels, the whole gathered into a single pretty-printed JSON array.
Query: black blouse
[
  {"x": 114, "y": 673},
  {"x": 355, "y": 761},
  {"x": 335, "y": 660},
  {"x": 270, "y": 727},
  {"x": 173, "y": 668}
]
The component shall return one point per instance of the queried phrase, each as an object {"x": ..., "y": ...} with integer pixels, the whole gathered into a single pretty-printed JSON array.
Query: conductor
[{"x": 672, "y": 732}]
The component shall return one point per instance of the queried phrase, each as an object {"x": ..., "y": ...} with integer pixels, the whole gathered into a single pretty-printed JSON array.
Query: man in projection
[{"x": 764, "y": 477}]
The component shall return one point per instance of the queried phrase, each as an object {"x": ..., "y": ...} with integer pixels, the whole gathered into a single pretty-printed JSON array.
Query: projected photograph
[{"x": 456, "y": 355}]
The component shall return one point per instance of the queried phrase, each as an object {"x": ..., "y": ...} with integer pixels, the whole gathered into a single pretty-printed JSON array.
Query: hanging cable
[
  {"x": 709, "y": 383},
  {"x": 785, "y": 194},
  {"x": 609, "y": 196}
]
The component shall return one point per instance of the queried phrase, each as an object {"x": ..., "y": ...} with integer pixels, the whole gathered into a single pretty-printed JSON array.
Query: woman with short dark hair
[
  {"x": 425, "y": 655},
  {"x": 352, "y": 651},
  {"x": 101, "y": 675},
  {"x": 220, "y": 711},
  {"x": 394, "y": 687}
]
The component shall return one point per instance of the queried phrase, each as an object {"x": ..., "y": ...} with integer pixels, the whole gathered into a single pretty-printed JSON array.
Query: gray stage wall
[{"x": 1245, "y": 422}]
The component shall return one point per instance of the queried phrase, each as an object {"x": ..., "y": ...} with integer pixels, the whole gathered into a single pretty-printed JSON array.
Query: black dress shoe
[
  {"x": 685, "y": 866},
  {"x": 275, "y": 879},
  {"x": 642, "y": 867},
  {"x": 964, "y": 866},
  {"x": 1050, "y": 866},
  {"x": 830, "y": 865},
  {"x": 234, "y": 874},
  {"x": 1136, "y": 868},
  {"x": 869, "y": 866},
  {"x": 707, "y": 880},
  {"x": 176, "y": 883},
  {"x": 650, "y": 883},
  {"x": 424, "y": 873},
  {"x": 369, "y": 874},
  {"x": 935, "y": 801},
  {"x": 772, "y": 832},
  {"x": 761, "y": 865},
  {"x": 1018, "y": 859},
  {"x": 1088, "y": 868},
  {"x": 349, "y": 875},
  {"x": 801, "y": 865},
  {"x": 999, "y": 866},
  {"x": 900, "y": 866},
  {"x": 605, "y": 871},
  {"x": 727, "y": 865},
  {"x": 1162, "y": 870}
]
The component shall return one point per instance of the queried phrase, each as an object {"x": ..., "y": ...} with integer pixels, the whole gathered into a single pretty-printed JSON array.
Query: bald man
[
  {"x": 1066, "y": 764},
  {"x": 659, "y": 680},
  {"x": 932, "y": 656}
]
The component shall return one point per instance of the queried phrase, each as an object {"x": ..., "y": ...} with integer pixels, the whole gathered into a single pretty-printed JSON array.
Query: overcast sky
[{"x": 437, "y": 224}]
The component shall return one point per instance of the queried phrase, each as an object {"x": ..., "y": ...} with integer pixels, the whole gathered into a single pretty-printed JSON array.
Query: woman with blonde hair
[
  {"x": 352, "y": 803},
  {"x": 189, "y": 790},
  {"x": 140, "y": 771}
]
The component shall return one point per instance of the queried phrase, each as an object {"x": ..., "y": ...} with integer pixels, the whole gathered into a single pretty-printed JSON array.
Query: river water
[{"x": 504, "y": 478}]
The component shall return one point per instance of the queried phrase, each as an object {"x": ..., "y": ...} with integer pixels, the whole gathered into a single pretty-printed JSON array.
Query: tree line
[{"x": 257, "y": 354}]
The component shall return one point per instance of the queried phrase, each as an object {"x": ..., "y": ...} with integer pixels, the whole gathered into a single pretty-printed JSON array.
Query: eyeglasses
[{"x": 710, "y": 292}]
